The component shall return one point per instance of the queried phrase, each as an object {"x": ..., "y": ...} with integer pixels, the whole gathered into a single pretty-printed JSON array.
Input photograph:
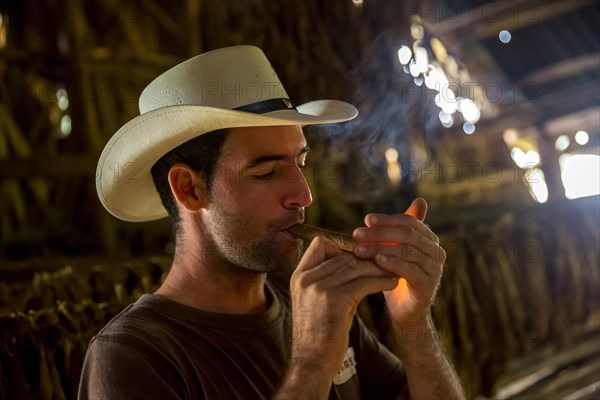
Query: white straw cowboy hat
[{"x": 226, "y": 88}]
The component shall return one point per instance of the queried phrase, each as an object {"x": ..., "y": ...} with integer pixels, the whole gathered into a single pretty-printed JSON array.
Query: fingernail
[
  {"x": 362, "y": 249},
  {"x": 360, "y": 233}
]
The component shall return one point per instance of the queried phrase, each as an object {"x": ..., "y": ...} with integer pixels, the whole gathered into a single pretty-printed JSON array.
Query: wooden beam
[
  {"x": 65, "y": 165},
  {"x": 553, "y": 125},
  {"x": 587, "y": 120},
  {"x": 575, "y": 97},
  {"x": 150, "y": 65},
  {"x": 439, "y": 15},
  {"x": 444, "y": 220},
  {"x": 163, "y": 19},
  {"x": 193, "y": 10},
  {"x": 527, "y": 13},
  {"x": 489, "y": 19},
  {"x": 563, "y": 69},
  {"x": 550, "y": 166}
]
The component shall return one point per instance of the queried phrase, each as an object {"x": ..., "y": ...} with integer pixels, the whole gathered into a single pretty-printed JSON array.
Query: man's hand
[
  {"x": 326, "y": 288},
  {"x": 405, "y": 247},
  {"x": 396, "y": 254},
  {"x": 402, "y": 245}
]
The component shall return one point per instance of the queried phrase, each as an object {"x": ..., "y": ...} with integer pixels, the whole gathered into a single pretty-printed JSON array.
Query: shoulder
[
  {"x": 122, "y": 369},
  {"x": 137, "y": 323},
  {"x": 127, "y": 358},
  {"x": 157, "y": 328}
]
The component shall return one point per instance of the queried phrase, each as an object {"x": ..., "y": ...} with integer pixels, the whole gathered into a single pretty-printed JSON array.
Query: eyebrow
[{"x": 273, "y": 157}]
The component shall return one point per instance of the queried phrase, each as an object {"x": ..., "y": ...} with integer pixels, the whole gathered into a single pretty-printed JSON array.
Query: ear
[{"x": 188, "y": 187}]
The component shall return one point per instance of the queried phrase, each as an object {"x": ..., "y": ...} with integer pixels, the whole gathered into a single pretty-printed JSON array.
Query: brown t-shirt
[{"x": 159, "y": 349}]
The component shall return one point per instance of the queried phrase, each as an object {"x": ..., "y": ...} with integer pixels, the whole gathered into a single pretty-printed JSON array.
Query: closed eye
[
  {"x": 264, "y": 177},
  {"x": 271, "y": 174}
]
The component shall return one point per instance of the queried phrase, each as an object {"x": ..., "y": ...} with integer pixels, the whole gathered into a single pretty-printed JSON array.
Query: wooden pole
[{"x": 550, "y": 165}]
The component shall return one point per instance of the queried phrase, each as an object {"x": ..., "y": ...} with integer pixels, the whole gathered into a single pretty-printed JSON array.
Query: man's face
[{"x": 257, "y": 192}]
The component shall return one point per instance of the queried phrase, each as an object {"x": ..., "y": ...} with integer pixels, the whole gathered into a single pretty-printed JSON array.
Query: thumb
[
  {"x": 418, "y": 209},
  {"x": 319, "y": 250}
]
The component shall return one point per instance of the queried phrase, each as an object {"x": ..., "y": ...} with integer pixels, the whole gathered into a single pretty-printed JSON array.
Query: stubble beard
[{"x": 229, "y": 243}]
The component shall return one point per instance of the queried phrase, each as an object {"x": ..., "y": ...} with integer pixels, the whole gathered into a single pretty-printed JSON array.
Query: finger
[
  {"x": 402, "y": 234},
  {"x": 397, "y": 220},
  {"x": 340, "y": 270},
  {"x": 414, "y": 275},
  {"x": 433, "y": 254},
  {"x": 319, "y": 250},
  {"x": 319, "y": 272},
  {"x": 430, "y": 270},
  {"x": 418, "y": 209},
  {"x": 361, "y": 287}
]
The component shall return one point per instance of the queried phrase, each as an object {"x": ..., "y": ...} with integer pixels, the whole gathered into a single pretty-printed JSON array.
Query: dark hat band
[{"x": 266, "y": 106}]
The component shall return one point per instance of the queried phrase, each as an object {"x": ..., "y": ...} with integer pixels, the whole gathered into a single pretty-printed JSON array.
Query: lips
[
  {"x": 289, "y": 235},
  {"x": 286, "y": 230},
  {"x": 288, "y": 223}
]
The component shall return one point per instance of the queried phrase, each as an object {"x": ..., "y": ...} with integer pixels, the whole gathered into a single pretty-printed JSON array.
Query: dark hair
[{"x": 201, "y": 154}]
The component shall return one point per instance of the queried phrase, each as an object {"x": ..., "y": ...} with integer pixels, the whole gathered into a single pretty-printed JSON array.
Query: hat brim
[{"x": 123, "y": 179}]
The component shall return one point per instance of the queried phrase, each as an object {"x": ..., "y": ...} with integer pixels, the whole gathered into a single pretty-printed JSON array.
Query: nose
[{"x": 298, "y": 193}]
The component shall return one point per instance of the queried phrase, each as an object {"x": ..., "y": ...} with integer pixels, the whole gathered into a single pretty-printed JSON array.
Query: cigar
[{"x": 308, "y": 232}]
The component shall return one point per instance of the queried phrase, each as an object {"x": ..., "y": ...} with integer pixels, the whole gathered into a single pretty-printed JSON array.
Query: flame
[{"x": 401, "y": 293}]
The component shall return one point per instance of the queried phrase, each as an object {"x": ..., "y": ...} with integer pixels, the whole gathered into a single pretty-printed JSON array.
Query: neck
[{"x": 212, "y": 286}]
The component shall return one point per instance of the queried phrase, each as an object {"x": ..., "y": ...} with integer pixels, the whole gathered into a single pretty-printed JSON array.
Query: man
[{"x": 219, "y": 148}]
